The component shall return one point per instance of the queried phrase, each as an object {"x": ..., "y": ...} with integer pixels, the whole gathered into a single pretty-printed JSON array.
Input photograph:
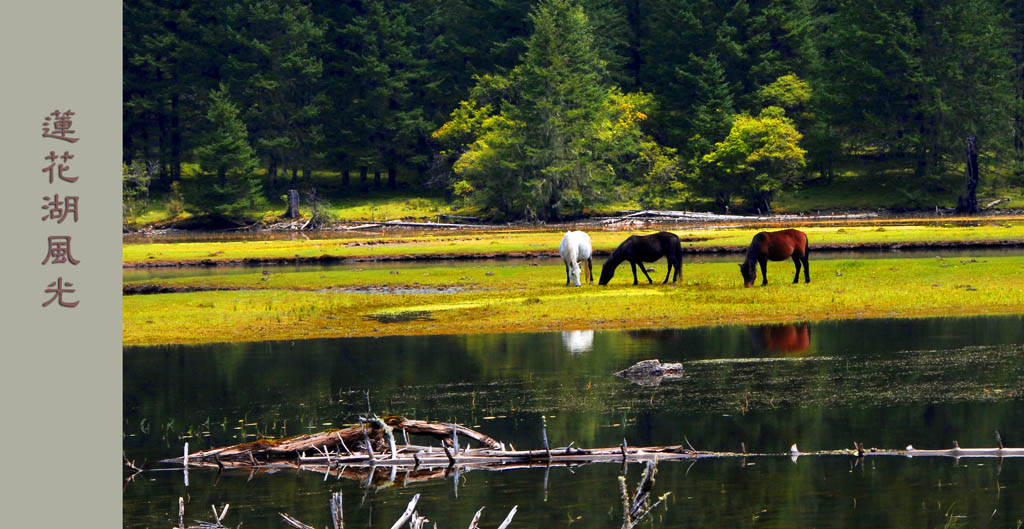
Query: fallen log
[
  {"x": 373, "y": 431},
  {"x": 347, "y": 453},
  {"x": 695, "y": 216}
]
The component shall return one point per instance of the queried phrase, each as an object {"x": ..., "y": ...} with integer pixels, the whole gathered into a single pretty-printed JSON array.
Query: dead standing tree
[{"x": 969, "y": 204}]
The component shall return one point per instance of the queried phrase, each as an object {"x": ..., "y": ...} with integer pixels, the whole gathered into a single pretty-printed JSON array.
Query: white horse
[{"x": 576, "y": 249}]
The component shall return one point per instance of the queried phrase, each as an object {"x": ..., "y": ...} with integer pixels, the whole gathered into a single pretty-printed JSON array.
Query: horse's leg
[
  {"x": 566, "y": 273},
  {"x": 807, "y": 268},
  {"x": 796, "y": 261},
  {"x": 763, "y": 261},
  {"x": 633, "y": 264},
  {"x": 679, "y": 268},
  {"x": 590, "y": 269},
  {"x": 668, "y": 259},
  {"x": 643, "y": 268}
]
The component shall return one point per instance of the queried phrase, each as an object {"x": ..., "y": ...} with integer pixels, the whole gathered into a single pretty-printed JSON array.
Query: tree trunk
[
  {"x": 345, "y": 177},
  {"x": 272, "y": 172},
  {"x": 293, "y": 203},
  {"x": 295, "y": 176},
  {"x": 376, "y": 178},
  {"x": 362, "y": 176},
  {"x": 392, "y": 178},
  {"x": 969, "y": 204},
  {"x": 176, "y": 141}
]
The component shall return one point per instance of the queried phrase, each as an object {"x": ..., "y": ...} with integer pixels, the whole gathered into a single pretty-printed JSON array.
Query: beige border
[{"x": 60, "y": 383}]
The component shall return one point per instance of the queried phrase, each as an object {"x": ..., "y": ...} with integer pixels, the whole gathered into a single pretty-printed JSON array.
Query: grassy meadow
[
  {"x": 526, "y": 296},
  {"x": 363, "y": 246}
]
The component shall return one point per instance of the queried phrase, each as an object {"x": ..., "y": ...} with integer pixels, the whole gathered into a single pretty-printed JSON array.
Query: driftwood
[
  {"x": 218, "y": 517},
  {"x": 694, "y": 216},
  {"x": 414, "y": 519},
  {"x": 408, "y": 224},
  {"x": 633, "y": 512},
  {"x": 376, "y": 431},
  {"x": 345, "y": 453}
]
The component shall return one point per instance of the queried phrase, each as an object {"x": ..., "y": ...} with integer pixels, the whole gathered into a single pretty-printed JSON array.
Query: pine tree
[
  {"x": 276, "y": 68},
  {"x": 547, "y": 140},
  {"x": 910, "y": 80},
  {"x": 712, "y": 116},
  {"x": 388, "y": 74},
  {"x": 562, "y": 88},
  {"x": 225, "y": 184},
  {"x": 166, "y": 55}
]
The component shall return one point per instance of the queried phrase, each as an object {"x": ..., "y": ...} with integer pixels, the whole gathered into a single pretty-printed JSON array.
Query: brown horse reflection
[{"x": 786, "y": 338}]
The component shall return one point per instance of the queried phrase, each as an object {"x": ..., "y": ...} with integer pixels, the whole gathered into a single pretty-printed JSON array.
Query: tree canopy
[{"x": 547, "y": 108}]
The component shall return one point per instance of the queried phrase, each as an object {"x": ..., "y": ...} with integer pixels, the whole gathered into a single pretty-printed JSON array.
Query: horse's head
[
  {"x": 574, "y": 274},
  {"x": 749, "y": 271}
]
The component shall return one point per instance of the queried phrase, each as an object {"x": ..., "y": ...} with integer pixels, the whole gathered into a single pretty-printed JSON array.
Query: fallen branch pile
[{"x": 357, "y": 452}]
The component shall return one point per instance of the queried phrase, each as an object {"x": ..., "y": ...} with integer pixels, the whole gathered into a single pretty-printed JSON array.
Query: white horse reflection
[{"x": 578, "y": 341}]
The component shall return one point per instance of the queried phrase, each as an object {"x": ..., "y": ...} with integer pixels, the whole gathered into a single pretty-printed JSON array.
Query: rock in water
[{"x": 651, "y": 372}]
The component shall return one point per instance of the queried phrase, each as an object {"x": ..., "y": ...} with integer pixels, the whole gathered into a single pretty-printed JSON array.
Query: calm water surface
[{"x": 886, "y": 383}]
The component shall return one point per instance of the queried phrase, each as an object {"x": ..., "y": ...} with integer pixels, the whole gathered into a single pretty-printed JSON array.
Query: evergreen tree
[
  {"x": 225, "y": 184},
  {"x": 545, "y": 141},
  {"x": 276, "y": 68},
  {"x": 388, "y": 75},
  {"x": 712, "y": 117},
  {"x": 1015, "y": 10},
  {"x": 167, "y": 68},
  {"x": 612, "y": 38},
  {"x": 910, "y": 80},
  {"x": 562, "y": 88}
]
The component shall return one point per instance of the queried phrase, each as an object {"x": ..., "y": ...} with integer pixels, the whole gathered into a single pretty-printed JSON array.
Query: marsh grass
[
  {"x": 518, "y": 297},
  {"x": 546, "y": 241}
]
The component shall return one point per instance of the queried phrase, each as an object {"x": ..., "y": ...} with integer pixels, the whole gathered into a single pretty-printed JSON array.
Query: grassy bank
[
  {"x": 518, "y": 242},
  {"x": 516, "y": 296}
]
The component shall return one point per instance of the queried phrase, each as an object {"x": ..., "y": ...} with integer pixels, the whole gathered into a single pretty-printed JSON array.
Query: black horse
[{"x": 640, "y": 249}]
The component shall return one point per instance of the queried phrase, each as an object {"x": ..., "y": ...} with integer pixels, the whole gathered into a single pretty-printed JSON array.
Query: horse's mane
[{"x": 755, "y": 246}]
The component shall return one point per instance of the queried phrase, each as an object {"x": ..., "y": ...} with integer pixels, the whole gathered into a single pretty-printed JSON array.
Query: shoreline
[{"x": 457, "y": 256}]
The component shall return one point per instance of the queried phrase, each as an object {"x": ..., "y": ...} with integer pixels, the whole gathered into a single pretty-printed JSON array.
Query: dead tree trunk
[
  {"x": 293, "y": 203},
  {"x": 969, "y": 204}
]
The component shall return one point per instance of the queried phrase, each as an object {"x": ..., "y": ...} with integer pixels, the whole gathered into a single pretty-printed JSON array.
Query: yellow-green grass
[
  {"x": 546, "y": 241},
  {"x": 518, "y": 297}
]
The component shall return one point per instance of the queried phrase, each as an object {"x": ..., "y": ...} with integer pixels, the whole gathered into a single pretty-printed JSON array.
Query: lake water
[{"x": 886, "y": 383}]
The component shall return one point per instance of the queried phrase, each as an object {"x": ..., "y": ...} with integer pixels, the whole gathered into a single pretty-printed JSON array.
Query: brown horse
[{"x": 775, "y": 246}]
